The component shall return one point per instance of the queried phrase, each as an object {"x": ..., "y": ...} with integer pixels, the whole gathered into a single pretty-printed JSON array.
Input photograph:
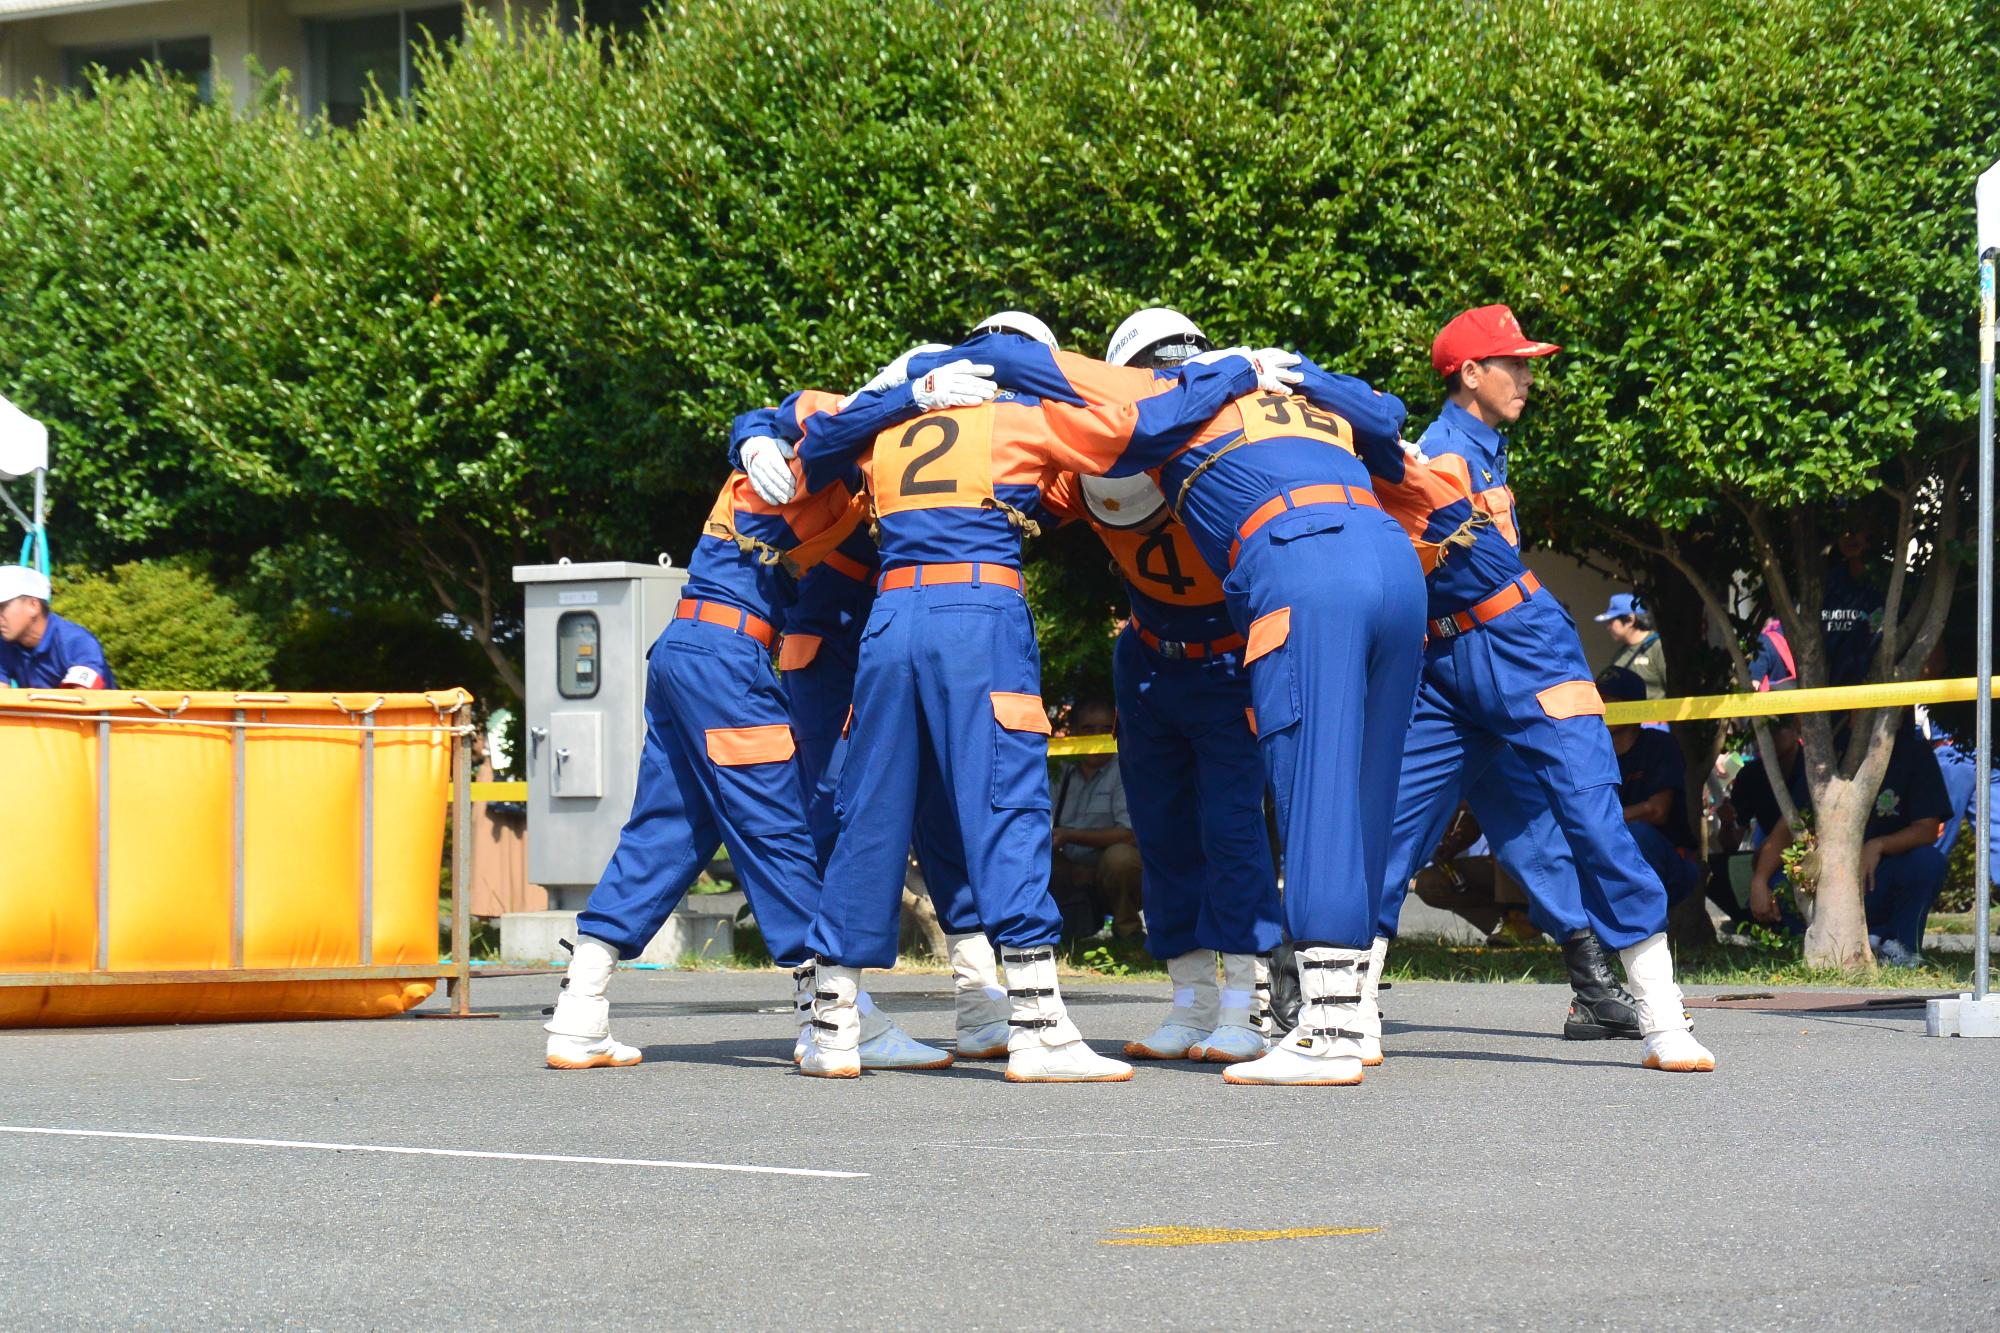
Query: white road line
[{"x": 436, "y": 1152}]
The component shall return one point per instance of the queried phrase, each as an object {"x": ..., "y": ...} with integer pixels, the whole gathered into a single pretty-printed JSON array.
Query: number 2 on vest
[{"x": 911, "y": 484}]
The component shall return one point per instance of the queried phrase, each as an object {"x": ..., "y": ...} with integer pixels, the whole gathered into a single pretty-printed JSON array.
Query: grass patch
[{"x": 1763, "y": 966}]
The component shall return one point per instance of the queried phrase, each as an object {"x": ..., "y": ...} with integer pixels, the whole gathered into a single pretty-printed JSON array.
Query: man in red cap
[{"x": 1505, "y": 704}]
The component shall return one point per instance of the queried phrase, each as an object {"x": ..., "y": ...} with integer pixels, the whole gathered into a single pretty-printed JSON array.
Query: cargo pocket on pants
[
  {"x": 1274, "y": 684},
  {"x": 1576, "y": 711},
  {"x": 754, "y": 778},
  {"x": 1020, "y": 751}
]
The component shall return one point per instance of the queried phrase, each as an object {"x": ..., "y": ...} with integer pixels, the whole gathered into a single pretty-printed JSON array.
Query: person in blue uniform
[
  {"x": 39, "y": 650},
  {"x": 817, "y": 659},
  {"x": 1194, "y": 780},
  {"x": 719, "y": 763},
  {"x": 1506, "y": 800},
  {"x": 1276, "y": 496},
  {"x": 950, "y": 670},
  {"x": 1503, "y": 671}
]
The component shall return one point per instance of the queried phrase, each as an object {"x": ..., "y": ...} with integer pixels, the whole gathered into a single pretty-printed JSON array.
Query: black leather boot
[
  {"x": 1602, "y": 1008},
  {"x": 1285, "y": 997}
]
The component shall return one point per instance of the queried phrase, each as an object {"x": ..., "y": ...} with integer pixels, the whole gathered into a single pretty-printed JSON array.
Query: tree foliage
[
  {"x": 166, "y": 626},
  {"x": 510, "y": 320}
]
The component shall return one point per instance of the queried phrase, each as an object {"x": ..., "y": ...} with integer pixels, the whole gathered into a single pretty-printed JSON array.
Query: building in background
[{"x": 332, "y": 47}]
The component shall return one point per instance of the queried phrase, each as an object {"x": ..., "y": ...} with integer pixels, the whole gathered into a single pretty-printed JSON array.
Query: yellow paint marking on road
[{"x": 1225, "y": 1235}]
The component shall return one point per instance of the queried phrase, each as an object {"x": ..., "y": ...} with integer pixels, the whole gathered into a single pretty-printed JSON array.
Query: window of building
[
  {"x": 614, "y": 16},
  {"x": 185, "y": 59},
  {"x": 349, "y": 56}
]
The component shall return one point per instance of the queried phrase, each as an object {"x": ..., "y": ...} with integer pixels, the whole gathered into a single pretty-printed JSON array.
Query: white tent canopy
[{"x": 24, "y": 443}]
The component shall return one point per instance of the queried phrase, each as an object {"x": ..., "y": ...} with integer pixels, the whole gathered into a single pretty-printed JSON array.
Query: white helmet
[
  {"x": 1147, "y": 329},
  {"x": 1122, "y": 502},
  {"x": 1017, "y": 321}
]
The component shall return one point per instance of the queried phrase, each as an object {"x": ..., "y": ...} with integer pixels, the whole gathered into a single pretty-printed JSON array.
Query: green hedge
[{"x": 511, "y": 321}]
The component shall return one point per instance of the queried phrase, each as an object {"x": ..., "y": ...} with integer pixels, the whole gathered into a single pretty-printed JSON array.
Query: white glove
[
  {"x": 960, "y": 384},
  {"x": 767, "y": 462},
  {"x": 1274, "y": 370}
]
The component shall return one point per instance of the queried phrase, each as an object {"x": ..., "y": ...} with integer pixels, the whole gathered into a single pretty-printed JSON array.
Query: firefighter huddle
[{"x": 1318, "y": 609}]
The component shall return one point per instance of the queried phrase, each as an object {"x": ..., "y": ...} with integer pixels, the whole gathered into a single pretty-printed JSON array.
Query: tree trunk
[{"x": 1837, "y": 929}]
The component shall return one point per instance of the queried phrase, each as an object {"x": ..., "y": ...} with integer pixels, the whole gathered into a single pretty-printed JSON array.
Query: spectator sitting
[
  {"x": 1096, "y": 863},
  {"x": 1631, "y": 628},
  {"x": 1902, "y": 869},
  {"x": 39, "y": 650},
  {"x": 1652, "y": 786},
  {"x": 1961, "y": 778}
]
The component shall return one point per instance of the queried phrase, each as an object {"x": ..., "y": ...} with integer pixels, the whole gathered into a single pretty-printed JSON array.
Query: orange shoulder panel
[{"x": 1063, "y": 496}]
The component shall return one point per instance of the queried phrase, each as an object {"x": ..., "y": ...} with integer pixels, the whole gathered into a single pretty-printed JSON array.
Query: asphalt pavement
[{"x": 1837, "y": 1171}]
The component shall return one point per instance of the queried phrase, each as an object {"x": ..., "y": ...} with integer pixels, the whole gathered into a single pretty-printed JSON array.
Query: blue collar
[{"x": 1462, "y": 421}]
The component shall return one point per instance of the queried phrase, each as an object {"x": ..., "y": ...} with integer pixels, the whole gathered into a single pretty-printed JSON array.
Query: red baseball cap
[{"x": 1489, "y": 330}]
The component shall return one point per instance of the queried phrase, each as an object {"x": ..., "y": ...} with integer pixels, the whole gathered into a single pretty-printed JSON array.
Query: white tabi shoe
[
  {"x": 1045, "y": 1046},
  {"x": 1236, "y": 1037},
  {"x": 886, "y": 1046},
  {"x": 1191, "y": 1019},
  {"x": 580, "y": 1029},
  {"x": 1322, "y": 1051},
  {"x": 979, "y": 1001},
  {"x": 1370, "y": 1019},
  {"x": 834, "y": 1051},
  {"x": 1669, "y": 1036}
]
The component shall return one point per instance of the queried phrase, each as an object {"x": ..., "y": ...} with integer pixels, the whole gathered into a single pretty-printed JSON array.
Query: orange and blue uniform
[
  {"x": 1277, "y": 495},
  {"x": 719, "y": 765},
  {"x": 1506, "y": 715},
  {"x": 1194, "y": 781},
  {"x": 948, "y": 691},
  {"x": 817, "y": 657}
]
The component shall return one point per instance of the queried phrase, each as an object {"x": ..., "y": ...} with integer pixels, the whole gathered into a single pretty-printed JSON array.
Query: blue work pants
[
  {"x": 1331, "y": 598},
  {"x": 1521, "y": 680},
  {"x": 1194, "y": 786},
  {"x": 948, "y": 694},
  {"x": 821, "y": 692},
  {"x": 719, "y": 769}
]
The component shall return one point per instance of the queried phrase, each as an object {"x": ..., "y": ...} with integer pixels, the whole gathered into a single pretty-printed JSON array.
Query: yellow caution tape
[
  {"x": 1775, "y": 702},
  {"x": 1690, "y": 709},
  {"x": 1701, "y": 706}
]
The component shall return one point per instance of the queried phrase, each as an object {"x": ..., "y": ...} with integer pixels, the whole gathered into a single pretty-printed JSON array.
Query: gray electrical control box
[{"x": 588, "y": 630}]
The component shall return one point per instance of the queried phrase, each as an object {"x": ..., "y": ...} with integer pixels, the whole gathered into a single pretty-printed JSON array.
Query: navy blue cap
[{"x": 1618, "y": 685}]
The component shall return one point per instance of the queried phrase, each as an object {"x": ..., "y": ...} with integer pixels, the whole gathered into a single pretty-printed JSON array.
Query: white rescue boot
[
  {"x": 1322, "y": 1050},
  {"x": 1193, "y": 1016},
  {"x": 834, "y": 1051},
  {"x": 886, "y": 1046},
  {"x": 580, "y": 1029},
  {"x": 1669, "y": 1036},
  {"x": 1260, "y": 1011},
  {"x": 1236, "y": 1037},
  {"x": 1370, "y": 1022},
  {"x": 1045, "y": 1046},
  {"x": 802, "y": 1005},
  {"x": 978, "y": 998}
]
